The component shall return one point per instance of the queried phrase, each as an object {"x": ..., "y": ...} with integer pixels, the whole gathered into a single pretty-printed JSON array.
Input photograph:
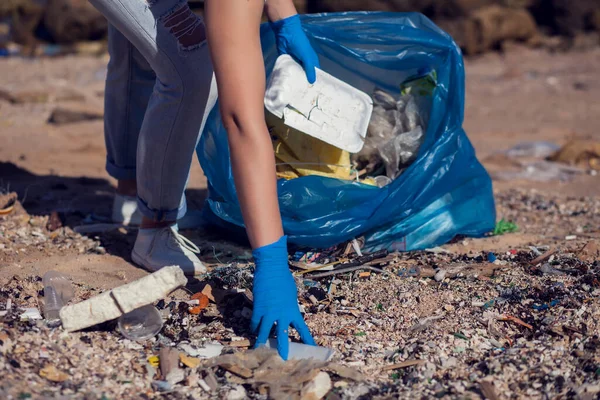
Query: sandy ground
[{"x": 523, "y": 95}]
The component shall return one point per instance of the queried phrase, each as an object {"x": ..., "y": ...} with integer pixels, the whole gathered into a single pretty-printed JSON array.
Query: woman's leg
[
  {"x": 172, "y": 39},
  {"x": 129, "y": 84}
]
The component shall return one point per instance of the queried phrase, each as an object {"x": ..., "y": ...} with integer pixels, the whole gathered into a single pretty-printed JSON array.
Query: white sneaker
[
  {"x": 125, "y": 210},
  {"x": 161, "y": 247}
]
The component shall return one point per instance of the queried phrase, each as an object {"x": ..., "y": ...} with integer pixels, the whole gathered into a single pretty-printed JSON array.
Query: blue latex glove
[
  {"x": 276, "y": 298},
  {"x": 292, "y": 40}
]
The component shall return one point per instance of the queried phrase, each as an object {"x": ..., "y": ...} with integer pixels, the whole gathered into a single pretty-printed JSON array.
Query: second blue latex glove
[
  {"x": 292, "y": 40},
  {"x": 276, "y": 298}
]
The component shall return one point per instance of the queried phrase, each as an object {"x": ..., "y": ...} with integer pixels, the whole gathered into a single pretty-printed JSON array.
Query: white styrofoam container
[{"x": 329, "y": 110}]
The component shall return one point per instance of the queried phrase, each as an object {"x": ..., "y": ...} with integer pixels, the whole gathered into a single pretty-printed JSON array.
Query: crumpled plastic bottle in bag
[{"x": 397, "y": 127}]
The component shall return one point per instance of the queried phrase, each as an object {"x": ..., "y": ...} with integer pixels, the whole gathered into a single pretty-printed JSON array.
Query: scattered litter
[
  {"x": 51, "y": 373},
  {"x": 543, "y": 257},
  {"x": 540, "y": 171},
  {"x": 58, "y": 291},
  {"x": 550, "y": 270},
  {"x": 539, "y": 149},
  {"x": 582, "y": 153},
  {"x": 236, "y": 393},
  {"x": 424, "y": 323},
  {"x": 202, "y": 383},
  {"x": 438, "y": 250},
  {"x": 491, "y": 257},
  {"x": 116, "y": 302},
  {"x": 440, "y": 275},
  {"x": 31, "y": 314},
  {"x": 162, "y": 386},
  {"x": 347, "y": 270},
  {"x": 503, "y": 227},
  {"x": 571, "y": 237},
  {"x": 535, "y": 251},
  {"x": 487, "y": 388},
  {"x": 405, "y": 364},
  {"x": 489, "y": 304},
  {"x": 169, "y": 365},
  {"x": 301, "y": 351},
  {"x": 544, "y": 307},
  {"x": 209, "y": 350},
  {"x": 356, "y": 247},
  {"x": 516, "y": 320},
  {"x": 54, "y": 221},
  {"x": 154, "y": 361},
  {"x": 203, "y": 301},
  {"x": 410, "y": 272},
  {"x": 140, "y": 324},
  {"x": 307, "y": 268},
  {"x": 317, "y": 388},
  {"x": 61, "y": 115},
  {"x": 8, "y": 203},
  {"x": 189, "y": 362},
  {"x": 240, "y": 343}
]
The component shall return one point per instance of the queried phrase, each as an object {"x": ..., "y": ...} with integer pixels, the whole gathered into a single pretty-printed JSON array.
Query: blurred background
[
  {"x": 531, "y": 68},
  {"x": 477, "y": 25}
]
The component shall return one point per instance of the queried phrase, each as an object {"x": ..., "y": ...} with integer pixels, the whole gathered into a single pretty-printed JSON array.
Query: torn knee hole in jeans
[{"x": 186, "y": 26}]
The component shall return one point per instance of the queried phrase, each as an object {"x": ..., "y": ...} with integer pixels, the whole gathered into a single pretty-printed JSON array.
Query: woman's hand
[
  {"x": 275, "y": 297},
  {"x": 292, "y": 40}
]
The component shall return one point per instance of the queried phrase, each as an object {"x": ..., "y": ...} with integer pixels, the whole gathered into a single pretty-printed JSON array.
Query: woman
[{"x": 161, "y": 85}]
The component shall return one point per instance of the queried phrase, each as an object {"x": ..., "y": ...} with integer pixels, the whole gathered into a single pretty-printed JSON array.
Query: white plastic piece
[
  {"x": 209, "y": 350},
  {"x": 123, "y": 299},
  {"x": 329, "y": 110},
  {"x": 301, "y": 351},
  {"x": 31, "y": 314}
]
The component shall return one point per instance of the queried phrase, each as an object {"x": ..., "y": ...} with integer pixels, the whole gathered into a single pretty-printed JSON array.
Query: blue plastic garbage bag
[{"x": 444, "y": 193}]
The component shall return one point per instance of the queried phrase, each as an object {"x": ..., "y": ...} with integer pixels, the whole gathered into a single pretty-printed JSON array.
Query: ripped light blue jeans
[{"x": 160, "y": 88}]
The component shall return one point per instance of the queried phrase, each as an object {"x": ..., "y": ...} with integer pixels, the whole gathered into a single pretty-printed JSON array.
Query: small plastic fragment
[
  {"x": 51, "y": 373},
  {"x": 31, "y": 314},
  {"x": 503, "y": 227},
  {"x": 203, "y": 302},
  {"x": 154, "y": 361},
  {"x": 140, "y": 324},
  {"x": 162, "y": 386},
  {"x": 189, "y": 362}
]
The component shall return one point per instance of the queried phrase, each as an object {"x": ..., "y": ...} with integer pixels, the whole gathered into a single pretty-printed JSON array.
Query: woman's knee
[
  {"x": 186, "y": 27},
  {"x": 183, "y": 58}
]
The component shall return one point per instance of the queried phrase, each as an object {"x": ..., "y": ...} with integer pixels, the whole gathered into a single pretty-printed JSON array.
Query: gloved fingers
[
  {"x": 310, "y": 62},
  {"x": 311, "y": 73},
  {"x": 283, "y": 345},
  {"x": 255, "y": 321},
  {"x": 303, "y": 331},
  {"x": 263, "y": 331}
]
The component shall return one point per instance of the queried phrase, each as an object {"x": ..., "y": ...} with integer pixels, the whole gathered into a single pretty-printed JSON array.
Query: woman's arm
[
  {"x": 279, "y": 9},
  {"x": 233, "y": 31}
]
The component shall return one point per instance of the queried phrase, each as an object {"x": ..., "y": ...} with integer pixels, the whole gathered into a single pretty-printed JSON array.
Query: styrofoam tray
[{"x": 329, "y": 110}]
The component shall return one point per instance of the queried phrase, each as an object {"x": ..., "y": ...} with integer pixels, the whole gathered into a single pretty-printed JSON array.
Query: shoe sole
[{"x": 138, "y": 260}]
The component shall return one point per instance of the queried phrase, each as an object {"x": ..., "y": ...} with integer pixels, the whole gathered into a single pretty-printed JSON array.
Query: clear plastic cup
[
  {"x": 140, "y": 324},
  {"x": 58, "y": 290}
]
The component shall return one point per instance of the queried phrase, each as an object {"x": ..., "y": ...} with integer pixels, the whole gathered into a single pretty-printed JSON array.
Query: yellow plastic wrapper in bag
[{"x": 298, "y": 154}]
